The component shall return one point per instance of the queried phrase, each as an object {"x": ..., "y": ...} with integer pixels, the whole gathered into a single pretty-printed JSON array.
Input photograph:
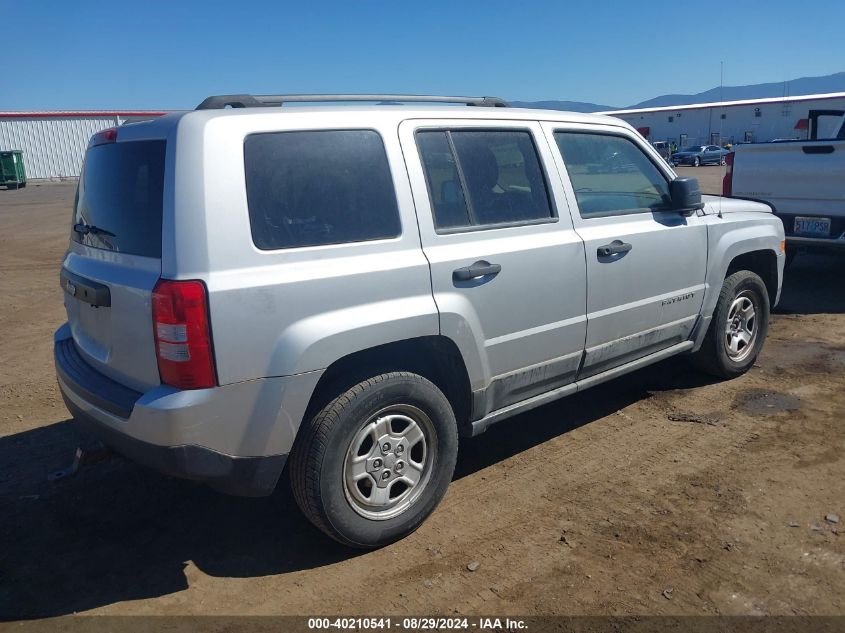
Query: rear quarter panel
[{"x": 289, "y": 311}]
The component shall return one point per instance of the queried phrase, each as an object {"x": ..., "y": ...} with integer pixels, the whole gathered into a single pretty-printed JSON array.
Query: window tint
[
  {"x": 481, "y": 177},
  {"x": 611, "y": 175},
  {"x": 121, "y": 193},
  {"x": 444, "y": 185},
  {"x": 318, "y": 187}
]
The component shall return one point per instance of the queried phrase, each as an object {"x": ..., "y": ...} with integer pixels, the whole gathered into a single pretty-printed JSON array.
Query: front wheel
[
  {"x": 738, "y": 327},
  {"x": 375, "y": 462}
]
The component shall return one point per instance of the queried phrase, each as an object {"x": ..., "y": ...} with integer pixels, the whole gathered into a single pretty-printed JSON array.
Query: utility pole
[{"x": 721, "y": 97}]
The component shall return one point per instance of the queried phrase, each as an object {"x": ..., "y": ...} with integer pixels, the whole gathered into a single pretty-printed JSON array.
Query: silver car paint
[
  {"x": 650, "y": 298},
  {"x": 284, "y": 312},
  {"x": 735, "y": 227},
  {"x": 116, "y": 341},
  {"x": 252, "y": 418},
  {"x": 279, "y": 318},
  {"x": 542, "y": 265}
]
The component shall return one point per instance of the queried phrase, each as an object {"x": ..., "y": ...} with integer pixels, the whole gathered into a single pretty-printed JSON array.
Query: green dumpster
[{"x": 12, "y": 173}]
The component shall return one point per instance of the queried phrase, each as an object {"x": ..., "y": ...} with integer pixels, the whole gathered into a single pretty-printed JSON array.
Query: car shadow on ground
[
  {"x": 814, "y": 284},
  {"x": 524, "y": 431},
  {"x": 116, "y": 531}
]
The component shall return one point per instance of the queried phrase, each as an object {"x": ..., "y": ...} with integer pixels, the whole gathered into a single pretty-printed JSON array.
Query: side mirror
[{"x": 686, "y": 195}]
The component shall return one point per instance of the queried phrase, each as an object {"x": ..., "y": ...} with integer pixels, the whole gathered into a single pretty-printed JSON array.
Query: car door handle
[
  {"x": 614, "y": 248},
  {"x": 478, "y": 269},
  {"x": 818, "y": 149}
]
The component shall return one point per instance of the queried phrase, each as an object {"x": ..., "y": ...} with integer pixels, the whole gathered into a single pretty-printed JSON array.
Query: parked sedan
[{"x": 698, "y": 155}]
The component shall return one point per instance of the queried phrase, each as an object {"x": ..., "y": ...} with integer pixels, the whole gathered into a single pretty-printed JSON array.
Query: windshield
[{"x": 119, "y": 198}]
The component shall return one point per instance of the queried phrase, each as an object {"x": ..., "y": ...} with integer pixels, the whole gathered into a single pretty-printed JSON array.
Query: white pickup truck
[{"x": 803, "y": 181}]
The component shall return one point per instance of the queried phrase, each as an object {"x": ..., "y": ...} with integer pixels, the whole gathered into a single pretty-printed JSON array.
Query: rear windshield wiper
[{"x": 85, "y": 229}]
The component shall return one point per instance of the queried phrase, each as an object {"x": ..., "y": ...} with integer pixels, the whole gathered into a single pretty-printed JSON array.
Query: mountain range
[{"x": 802, "y": 86}]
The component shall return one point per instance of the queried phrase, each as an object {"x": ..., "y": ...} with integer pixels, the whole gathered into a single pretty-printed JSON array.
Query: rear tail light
[
  {"x": 728, "y": 180},
  {"x": 108, "y": 135},
  {"x": 182, "y": 334}
]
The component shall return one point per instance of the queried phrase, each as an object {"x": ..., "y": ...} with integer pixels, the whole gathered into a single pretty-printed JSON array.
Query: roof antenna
[{"x": 721, "y": 113}]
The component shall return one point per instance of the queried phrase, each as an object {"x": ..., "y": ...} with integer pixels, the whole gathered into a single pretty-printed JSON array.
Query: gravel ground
[{"x": 660, "y": 493}]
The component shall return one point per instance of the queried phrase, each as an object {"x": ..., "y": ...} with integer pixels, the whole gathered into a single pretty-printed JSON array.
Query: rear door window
[
  {"x": 480, "y": 178},
  {"x": 319, "y": 187},
  {"x": 119, "y": 199}
]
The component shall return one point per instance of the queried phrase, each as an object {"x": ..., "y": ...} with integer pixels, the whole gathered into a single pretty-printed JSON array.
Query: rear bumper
[
  {"x": 836, "y": 240},
  {"x": 816, "y": 242},
  {"x": 234, "y": 437},
  {"x": 243, "y": 476}
]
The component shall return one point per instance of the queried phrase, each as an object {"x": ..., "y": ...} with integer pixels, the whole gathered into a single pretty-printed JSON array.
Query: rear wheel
[
  {"x": 375, "y": 462},
  {"x": 738, "y": 327}
]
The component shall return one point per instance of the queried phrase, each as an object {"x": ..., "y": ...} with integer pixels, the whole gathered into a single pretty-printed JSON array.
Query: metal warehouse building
[
  {"x": 53, "y": 143},
  {"x": 748, "y": 121}
]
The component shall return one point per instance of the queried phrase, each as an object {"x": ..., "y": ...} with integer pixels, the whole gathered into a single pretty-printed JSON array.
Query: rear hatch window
[{"x": 119, "y": 200}]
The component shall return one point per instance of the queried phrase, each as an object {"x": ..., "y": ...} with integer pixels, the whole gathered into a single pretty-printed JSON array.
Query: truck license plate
[{"x": 812, "y": 226}]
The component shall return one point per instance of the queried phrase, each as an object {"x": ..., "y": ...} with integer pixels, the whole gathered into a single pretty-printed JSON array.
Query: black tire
[
  {"x": 319, "y": 458},
  {"x": 713, "y": 357}
]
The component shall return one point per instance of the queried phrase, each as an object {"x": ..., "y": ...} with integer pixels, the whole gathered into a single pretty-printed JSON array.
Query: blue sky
[{"x": 81, "y": 55}]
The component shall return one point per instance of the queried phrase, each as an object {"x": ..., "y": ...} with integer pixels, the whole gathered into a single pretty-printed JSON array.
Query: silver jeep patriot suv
[{"x": 346, "y": 289}]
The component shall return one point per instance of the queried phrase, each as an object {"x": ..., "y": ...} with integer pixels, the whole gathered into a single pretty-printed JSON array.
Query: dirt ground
[{"x": 597, "y": 504}]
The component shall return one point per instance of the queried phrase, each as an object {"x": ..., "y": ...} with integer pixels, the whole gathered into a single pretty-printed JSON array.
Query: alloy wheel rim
[
  {"x": 741, "y": 327},
  {"x": 388, "y": 463}
]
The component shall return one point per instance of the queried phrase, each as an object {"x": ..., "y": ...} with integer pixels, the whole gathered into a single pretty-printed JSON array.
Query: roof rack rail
[{"x": 219, "y": 102}]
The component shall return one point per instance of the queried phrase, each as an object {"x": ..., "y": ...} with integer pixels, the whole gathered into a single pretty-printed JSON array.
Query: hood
[
  {"x": 685, "y": 153},
  {"x": 712, "y": 205}
]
